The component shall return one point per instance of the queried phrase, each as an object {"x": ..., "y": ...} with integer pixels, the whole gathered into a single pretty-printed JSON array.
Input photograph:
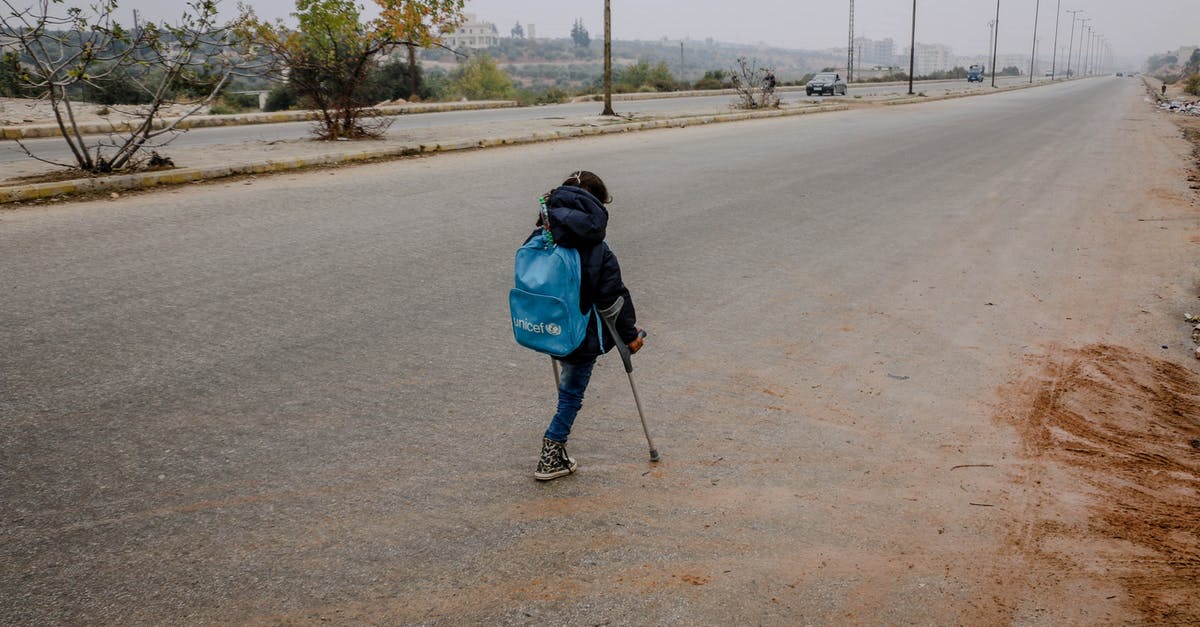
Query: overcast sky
[{"x": 1134, "y": 27}]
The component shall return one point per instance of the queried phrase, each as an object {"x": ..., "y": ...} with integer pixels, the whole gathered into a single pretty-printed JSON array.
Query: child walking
[{"x": 578, "y": 219}]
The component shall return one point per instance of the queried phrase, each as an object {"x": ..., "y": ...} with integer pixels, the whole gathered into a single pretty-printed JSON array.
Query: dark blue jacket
[{"x": 579, "y": 221}]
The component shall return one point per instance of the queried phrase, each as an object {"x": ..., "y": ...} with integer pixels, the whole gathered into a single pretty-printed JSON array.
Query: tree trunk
[
  {"x": 608, "y": 110},
  {"x": 412, "y": 71}
]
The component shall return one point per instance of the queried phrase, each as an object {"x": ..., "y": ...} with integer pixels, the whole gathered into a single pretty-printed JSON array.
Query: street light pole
[
  {"x": 1085, "y": 46},
  {"x": 912, "y": 49},
  {"x": 1071, "y": 46},
  {"x": 1087, "y": 63},
  {"x": 1082, "y": 25},
  {"x": 996, "y": 43},
  {"x": 1054, "y": 56},
  {"x": 1033, "y": 57},
  {"x": 608, "y": 110}
]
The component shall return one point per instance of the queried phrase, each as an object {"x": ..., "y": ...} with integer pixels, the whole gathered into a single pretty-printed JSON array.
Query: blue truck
[{"x": 975, "y": 74}]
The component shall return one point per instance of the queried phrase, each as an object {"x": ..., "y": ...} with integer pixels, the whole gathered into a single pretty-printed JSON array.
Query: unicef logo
[{"x": 553, "y": 329}]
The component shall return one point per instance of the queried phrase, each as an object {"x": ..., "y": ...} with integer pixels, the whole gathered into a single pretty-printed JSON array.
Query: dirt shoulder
[{"x": 1110, "y": 438}]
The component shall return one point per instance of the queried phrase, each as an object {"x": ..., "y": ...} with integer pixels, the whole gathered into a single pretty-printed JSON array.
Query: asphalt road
[
  {"x": 296, "y": 398},
  {"x": 55, "y": 150}
]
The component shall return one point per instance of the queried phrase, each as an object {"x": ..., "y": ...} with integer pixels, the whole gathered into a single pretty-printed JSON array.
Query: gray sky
[{"x": 1134, "y": 27}]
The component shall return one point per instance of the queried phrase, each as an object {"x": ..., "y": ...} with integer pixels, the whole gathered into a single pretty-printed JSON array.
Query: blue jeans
[{"x": 572, "y": 383}]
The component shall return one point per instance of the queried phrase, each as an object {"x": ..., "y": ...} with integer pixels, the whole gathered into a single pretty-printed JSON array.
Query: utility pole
[
  {"x": 912, "y": 49},
  {"x": 991, "y": 34},
  {"x": 1054, "y": 56},
  {"x": 1071, "y": 46},
  {"x": 1033, "y": 57},
  {"x": 850, "y": 47},
  {"x": 680, "y": 61},
  {"x": 608, "y": 110},
  {"x": 1082, "y": 25},
  {"x": 996, "y": 45},
  {"x": 1087, "y": 61}
]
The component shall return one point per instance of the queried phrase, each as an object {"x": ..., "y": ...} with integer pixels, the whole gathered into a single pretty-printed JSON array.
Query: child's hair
[{"x": 590, "y": 182}]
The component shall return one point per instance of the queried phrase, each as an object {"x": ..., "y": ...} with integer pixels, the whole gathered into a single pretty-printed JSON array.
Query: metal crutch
[{"x": 609, "y": 315}]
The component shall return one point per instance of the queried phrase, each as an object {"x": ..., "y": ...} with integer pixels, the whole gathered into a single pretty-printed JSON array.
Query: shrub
[
  {"x": 1193, "y": 85},
  {"x": 241, "y": 101},
  {"x": 481, "y": 79},
  {"x": 10, "y": 75},
  {"x": 553, "y": 95},
  {"x": 281, "y": 98},
  {"x": 643, "y": 77},
  {"x": 713, "y": 79}
]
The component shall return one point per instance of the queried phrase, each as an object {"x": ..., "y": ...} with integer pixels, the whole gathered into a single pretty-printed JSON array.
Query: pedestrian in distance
[
  {"x": 578, "y": 219},
  {"x": 769, "y": 81}
]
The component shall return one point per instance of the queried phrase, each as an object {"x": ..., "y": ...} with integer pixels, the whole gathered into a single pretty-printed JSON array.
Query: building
[
  {"x": 474, "y": 34},
  {"x": 928, "y": 59},
  {"x": 874, "y": 52}
]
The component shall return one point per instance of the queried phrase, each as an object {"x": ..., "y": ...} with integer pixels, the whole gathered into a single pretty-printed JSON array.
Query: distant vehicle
[
  {"x": 826, "y": 83},
  {"x": 1120, "y": 74},
  {"x": 975, "y": 74}
]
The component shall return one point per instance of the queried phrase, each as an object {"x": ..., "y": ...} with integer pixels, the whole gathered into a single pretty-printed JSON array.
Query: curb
[
  {"x": 202, "y": 121},
  {"x": 969, "y": 94},
  {"x": 144, "y": 180}
]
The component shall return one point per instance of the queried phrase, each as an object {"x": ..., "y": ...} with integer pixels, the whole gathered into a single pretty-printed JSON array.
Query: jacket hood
[{"x": 577, "y": 219}]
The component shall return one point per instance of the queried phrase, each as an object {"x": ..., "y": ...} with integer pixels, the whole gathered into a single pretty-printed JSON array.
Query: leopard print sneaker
[{"x": 554, "y": 462}]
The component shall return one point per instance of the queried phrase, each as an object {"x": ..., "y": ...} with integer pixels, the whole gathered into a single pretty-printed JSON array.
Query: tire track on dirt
[{"x": 1112, "y": 428}]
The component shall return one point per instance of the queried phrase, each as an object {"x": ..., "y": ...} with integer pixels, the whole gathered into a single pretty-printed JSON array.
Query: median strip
[{"x": 143, "y": 180}]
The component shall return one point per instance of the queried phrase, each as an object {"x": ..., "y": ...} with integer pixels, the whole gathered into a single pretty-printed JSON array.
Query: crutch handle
[{"x": 609, "y": 315}]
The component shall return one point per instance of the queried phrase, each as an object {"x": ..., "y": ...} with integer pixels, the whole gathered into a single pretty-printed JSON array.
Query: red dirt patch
[{"x": 1109, "y": 430}]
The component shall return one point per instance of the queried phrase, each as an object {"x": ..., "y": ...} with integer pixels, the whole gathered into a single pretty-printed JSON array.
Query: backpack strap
[
  {"x": 599, "y": 329},
  {"x": 547, "y": 236}
]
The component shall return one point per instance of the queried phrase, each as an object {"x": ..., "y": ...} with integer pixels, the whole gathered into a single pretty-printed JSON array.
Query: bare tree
[
  {"x": 88, "y": 48},
  {"x": 753, "y": 92}
]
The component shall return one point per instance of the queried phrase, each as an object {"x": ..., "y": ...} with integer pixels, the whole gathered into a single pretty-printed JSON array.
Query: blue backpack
[{"x": 545, "y": 300}]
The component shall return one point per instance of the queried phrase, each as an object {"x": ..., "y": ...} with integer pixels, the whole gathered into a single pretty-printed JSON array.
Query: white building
[
  {"x": 874, "y": 52},
  {"x": 929, "y": 58},
  {"x": 475, "y": 34}
]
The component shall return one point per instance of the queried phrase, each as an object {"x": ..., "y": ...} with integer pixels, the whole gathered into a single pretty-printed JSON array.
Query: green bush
[
  {"x": 481, "y": 79},
  {"x": 392, "y": 80},
  {"x": 241, "y": 101},
  {"x": 643, "y": 77},
  {"x": 222, "y": 109},
  {"x": 280, "y": 98},
  {"x": 553, "y": 95},
  {"x": 1193, "y": 85},
  {"x": 714, "y": 79},
  {"x": 10, "y": 75}
]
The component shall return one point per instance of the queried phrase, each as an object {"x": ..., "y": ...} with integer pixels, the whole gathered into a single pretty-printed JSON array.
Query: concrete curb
[
  {"x": 143, "y": 180},
  {"x": 31, "y": 131},
  {"x": 969, "y": 94}
]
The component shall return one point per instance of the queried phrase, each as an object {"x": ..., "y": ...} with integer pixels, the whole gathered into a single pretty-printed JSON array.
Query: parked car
[{"x": 826, "y": 83}]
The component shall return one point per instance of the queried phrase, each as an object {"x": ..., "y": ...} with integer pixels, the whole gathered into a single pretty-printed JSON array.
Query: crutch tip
[{"x": 653, "y": 455}]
